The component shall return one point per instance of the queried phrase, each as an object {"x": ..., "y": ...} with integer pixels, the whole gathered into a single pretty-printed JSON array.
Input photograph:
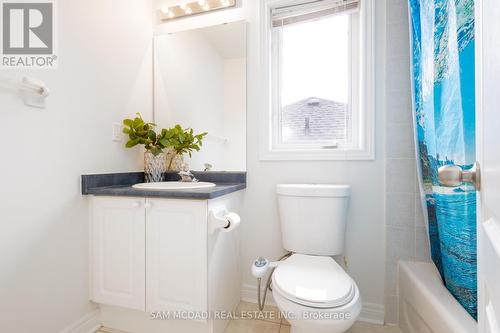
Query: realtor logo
[{"x": 28, "y": 32}]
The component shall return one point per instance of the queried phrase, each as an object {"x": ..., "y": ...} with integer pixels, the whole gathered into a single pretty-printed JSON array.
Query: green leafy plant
[
  {"x": 180, "y": 140},
  {"x": 143, "y": 133}
]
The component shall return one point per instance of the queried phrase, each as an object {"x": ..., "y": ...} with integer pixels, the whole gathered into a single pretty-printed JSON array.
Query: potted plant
[
  {"x": 143, "y": 133},
  {"x": 176, "y": 140},
  {"x": 179, "y": 142}
]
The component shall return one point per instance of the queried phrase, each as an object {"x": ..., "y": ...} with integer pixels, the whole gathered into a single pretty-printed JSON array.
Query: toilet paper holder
[{"x": 223, "y": 220}]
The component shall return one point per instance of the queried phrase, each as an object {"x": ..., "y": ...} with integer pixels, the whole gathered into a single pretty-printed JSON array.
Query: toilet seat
[{"x": 313, "y": 281}]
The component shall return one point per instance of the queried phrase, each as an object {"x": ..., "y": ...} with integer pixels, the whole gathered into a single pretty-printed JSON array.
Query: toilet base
[{"x": 310, "y": 325}]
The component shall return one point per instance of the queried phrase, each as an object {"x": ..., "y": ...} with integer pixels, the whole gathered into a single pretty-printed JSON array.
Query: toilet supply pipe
[{"x": 259, "y": 269}]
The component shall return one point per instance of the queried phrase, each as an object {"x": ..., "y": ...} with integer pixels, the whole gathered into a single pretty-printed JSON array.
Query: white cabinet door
[
  {"x": 176, "y": 255},
  {"x": 118, "y": 252}
]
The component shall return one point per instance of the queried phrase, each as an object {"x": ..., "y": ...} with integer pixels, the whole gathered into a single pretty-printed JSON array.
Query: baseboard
[
  {"x": 89, "y": 323},
  {"x": 370, "y": 313},
  {"x": 110, "y": 330}
]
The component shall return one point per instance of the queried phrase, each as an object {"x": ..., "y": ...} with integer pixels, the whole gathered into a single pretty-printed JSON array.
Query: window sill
[{"x": 318, "y": 155}]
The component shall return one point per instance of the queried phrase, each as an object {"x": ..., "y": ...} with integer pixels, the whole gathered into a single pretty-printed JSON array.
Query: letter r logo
[{"x": 28, "y": 27}]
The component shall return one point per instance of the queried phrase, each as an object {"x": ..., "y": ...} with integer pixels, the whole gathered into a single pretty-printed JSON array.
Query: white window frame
[{"x": 363, "y": 135}]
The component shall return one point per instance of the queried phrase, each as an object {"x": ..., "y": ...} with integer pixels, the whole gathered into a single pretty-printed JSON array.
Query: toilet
[{"x": 314, "y": 292}]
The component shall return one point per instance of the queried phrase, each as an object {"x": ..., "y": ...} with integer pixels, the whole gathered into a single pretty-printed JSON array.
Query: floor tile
[
  {"x": 361, "y": 328},
  {"x": 272, "y": 323},
  {"x": 285, "y": 322},
  {"x": 387, "y": 329},
  {"x": 370, "y": 328},
  {"x": 259, "y": 326},
  {"x": 251, "y": 311},
  {"x": 252, "y": 326},
  {"x": 285, "y": 329}
]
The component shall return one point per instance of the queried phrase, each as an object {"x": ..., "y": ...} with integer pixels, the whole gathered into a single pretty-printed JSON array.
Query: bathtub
[{"x": 426, "y": 306}]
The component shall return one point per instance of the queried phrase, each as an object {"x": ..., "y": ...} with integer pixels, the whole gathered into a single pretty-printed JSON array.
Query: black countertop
[{"x": 120, "y": 184}]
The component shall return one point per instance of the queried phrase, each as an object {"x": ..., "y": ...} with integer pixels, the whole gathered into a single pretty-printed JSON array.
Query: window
[{"x": 317, "y": 110}]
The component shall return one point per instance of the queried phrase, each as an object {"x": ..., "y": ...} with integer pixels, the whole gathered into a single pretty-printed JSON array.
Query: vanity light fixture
[
  {"x": 195, "y": 7},
  {"x": 203, "y": 4},
  {"x": 165, "y": 11}
]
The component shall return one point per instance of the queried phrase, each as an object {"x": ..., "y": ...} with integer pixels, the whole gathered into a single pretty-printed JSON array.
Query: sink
[{"x": 168, "y": 186}]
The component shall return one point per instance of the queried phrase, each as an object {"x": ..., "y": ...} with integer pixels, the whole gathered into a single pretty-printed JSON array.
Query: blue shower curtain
[{"x": 442, "y": 41}]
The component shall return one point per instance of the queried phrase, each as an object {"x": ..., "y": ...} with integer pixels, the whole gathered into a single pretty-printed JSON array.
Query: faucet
[{"x": 187, "y": 176}]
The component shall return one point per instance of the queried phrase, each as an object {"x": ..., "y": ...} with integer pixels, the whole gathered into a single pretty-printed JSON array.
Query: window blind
[{"x": 311, "y": 10}]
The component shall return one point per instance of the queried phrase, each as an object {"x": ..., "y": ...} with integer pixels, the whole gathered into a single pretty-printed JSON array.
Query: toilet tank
[{"x": 313, "y": 217}]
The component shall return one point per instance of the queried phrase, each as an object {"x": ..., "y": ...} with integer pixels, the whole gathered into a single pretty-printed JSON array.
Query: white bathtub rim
[{"x": 420, "y": 286}]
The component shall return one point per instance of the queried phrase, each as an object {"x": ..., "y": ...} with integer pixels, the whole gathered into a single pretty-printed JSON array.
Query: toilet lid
[{"x": 313, "y": 281}]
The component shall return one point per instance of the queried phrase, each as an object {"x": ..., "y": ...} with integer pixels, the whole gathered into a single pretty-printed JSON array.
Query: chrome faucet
[{"x": 187, "y": 176}]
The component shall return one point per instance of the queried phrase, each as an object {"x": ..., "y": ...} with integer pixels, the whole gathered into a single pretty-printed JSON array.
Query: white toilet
[{"x": 309, "y": 287}]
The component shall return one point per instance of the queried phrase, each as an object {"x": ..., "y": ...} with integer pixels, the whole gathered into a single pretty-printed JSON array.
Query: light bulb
[
  {"x": 165, "y": 10},
  {"x": 206, "y": 7},
  {"x": 184, "y": 7},
  {"x": 170, "y": 14},
  {"x": 225, "y": 3},
  {"x": 202, "y": 3},
  {"x": 188, "y": 11}
]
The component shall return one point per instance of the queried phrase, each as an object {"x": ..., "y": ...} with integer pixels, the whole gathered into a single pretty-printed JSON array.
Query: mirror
[{"x": 200, "y": 82}]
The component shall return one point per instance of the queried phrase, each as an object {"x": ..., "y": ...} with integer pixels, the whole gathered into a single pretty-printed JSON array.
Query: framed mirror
[{"x": 200, "y": 83}]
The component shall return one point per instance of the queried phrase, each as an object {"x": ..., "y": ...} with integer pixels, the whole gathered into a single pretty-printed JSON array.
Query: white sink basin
[{"x": 167, "y": 186}]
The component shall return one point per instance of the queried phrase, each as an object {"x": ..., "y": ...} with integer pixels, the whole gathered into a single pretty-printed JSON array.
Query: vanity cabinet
[
  {"x": 118, "y": 251},
  {"x": 149, "y": 254},
  {"x": 176, "y": 255}
]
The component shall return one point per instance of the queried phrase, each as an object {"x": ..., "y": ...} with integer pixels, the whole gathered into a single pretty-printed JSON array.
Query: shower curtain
[{"x": 442, "y": 42}]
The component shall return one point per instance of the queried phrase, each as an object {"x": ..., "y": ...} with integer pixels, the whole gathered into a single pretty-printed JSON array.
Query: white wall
[
  {"x": 104, "y": 75},
  {"x": 260, "y": 227}
]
